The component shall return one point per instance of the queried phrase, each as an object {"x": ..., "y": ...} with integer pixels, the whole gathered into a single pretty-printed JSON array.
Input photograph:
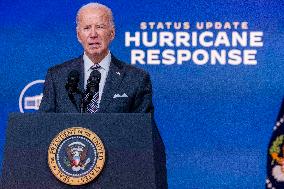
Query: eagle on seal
[{"x": 77, "y": 153}]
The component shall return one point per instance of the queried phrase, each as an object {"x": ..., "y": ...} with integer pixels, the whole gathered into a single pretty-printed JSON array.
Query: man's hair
[{"x": 96, "y": 6}]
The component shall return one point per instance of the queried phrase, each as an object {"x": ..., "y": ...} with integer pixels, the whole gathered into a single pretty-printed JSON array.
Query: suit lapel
[{"x": 113, "y": 81}]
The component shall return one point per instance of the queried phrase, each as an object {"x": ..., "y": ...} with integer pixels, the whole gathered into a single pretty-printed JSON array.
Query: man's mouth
[{"x": 94, "y": 45}]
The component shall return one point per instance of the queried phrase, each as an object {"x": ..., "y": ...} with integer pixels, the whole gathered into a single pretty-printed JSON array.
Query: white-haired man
[{"x": 122, "y": 87}]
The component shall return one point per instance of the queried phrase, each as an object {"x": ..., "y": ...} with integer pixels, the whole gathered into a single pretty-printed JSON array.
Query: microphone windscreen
[
  {"x": 74, "y": 75},
  {"x": 95, "y": 76}
]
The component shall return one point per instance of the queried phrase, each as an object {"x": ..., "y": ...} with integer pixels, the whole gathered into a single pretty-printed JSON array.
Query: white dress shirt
[{"x": 105, "y": 63}]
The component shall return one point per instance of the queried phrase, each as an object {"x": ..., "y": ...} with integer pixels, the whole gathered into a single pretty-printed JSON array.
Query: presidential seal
[{"x": 76, "y": 156}]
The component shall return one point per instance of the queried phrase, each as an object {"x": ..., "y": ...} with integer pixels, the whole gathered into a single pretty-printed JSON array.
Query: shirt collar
[{"x": 105, "y": 63}]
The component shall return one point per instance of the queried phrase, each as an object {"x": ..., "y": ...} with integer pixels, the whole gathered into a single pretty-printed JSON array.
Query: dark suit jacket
[{"x": 121, "y": 78}]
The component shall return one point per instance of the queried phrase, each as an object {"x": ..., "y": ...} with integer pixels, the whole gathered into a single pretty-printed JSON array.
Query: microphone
[
  {"x": 93, "y": 82},
  {"x": 72, "y": 82},
  {"x": 91, "y": 89},
  {"x": 72, "y": 86}
]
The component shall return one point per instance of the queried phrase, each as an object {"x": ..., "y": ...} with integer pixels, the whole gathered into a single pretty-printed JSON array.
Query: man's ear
[{"x": 112, "y": 33}]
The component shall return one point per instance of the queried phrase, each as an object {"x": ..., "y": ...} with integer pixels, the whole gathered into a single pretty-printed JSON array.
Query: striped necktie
[{"x": 93, "y": 106}]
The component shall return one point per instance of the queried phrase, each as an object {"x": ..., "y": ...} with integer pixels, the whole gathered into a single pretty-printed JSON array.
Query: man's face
[{"x": 95, "y": 32}]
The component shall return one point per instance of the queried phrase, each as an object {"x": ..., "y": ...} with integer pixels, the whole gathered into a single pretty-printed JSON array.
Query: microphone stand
[{"x": 82, "y": 103}]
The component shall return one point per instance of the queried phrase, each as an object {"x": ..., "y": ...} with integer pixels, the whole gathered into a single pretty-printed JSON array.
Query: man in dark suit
[
  {"x": 127, "y": 89},
  {"x": 122, "y": 87}
]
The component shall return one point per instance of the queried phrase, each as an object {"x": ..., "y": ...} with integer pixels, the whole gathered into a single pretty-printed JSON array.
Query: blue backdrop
[{"x": 215, "y": 120}]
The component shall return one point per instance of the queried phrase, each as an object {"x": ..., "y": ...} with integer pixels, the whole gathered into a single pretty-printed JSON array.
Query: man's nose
[{"x": 93, "y": 32}]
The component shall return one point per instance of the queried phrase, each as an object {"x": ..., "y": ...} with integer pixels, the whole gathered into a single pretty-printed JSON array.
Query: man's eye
[{"x": 101, "y": 26}]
